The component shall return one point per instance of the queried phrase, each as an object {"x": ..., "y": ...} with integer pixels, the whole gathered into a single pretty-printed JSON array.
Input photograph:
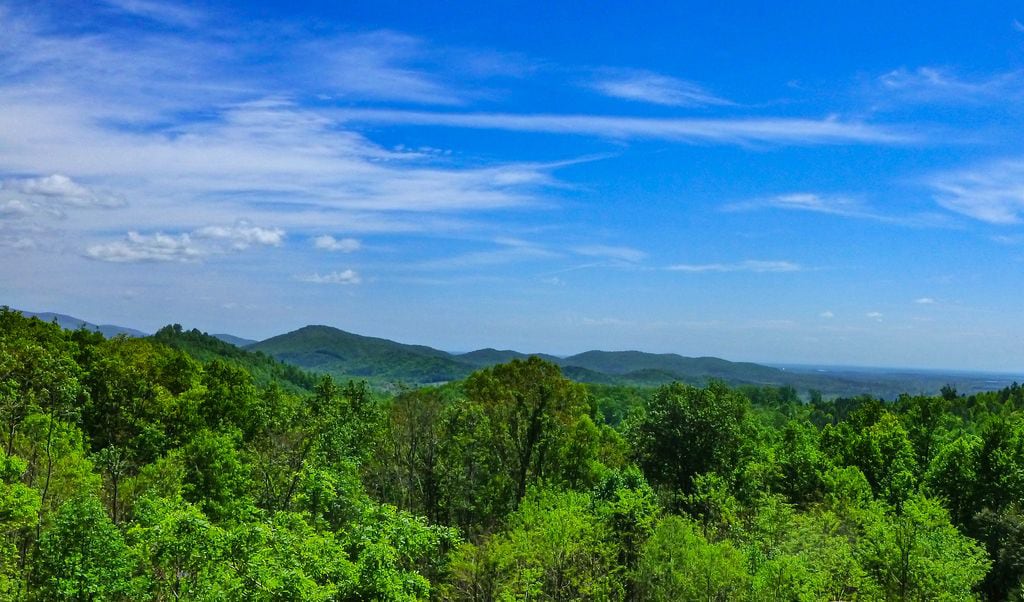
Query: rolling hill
[
  {"x": 384, "y": 362},
  {"x": 347, "y": 355}
]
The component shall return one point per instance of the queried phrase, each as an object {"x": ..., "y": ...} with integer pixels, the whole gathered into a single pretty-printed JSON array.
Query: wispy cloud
[
  {"x": 874, "y": 315},
  {"x": 827, "y": 314},
  {"x": 344, "y": 277},
  {"x": 924, "y": 301},
  {"x": 380, "y": 65},
  {"x": 61, "y": 189},
  {"x": 992, "y": 192},
  {"x": 937, "y": 85},
  {"x": 838, "y": 205},
  {"x": 620, "y": 253},
  {"x": 756, "y": 266},
  {"x": 505, "y": 251},
  {"x": 327, "y": 242},
  {"x": 164, "y": 12},
  {"x": 654, "y": 88},
  {"x": 783, "y": 131}
]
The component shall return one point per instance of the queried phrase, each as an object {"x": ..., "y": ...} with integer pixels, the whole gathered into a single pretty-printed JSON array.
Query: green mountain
[
  {"x": 347, "y": 355},
  {"x": 206, "y": 348},
  {"x": 385, "y": 362},
  {"x": 665, "y": 367}
]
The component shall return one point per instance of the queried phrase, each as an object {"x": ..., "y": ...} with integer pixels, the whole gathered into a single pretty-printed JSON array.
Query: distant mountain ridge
[
  {"x": 345, "y": 354},
  {"x": 72, "y": 323},
  {"x": 389, "y": 364},
  {"x": 231, "y": 339}
]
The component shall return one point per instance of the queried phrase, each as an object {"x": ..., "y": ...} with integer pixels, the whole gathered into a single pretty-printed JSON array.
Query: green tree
[
  {"x": 684, "y": 431},
  {"x": 916, "y": 554},
  {"x": 678, "y": 563},
  {"x": 82, "y": 556},
  {"x": 554, "y": 548}
]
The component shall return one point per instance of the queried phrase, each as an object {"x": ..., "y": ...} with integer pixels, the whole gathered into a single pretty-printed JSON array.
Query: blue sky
[{"x": 816, "y": 183}]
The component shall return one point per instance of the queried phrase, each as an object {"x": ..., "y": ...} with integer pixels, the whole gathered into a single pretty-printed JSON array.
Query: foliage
[{"x": 176, "y": 467}]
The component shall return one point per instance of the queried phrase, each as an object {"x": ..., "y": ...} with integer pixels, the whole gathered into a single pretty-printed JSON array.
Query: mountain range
[{"x": 387, "y": 364}]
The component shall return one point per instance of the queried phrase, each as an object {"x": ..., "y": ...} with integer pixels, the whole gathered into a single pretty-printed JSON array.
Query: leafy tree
[
  {"x": 916, "y": 554},
  {"x": 678, "y": 563},
  {"x": 684, "y": 431},
  {"x": 82, "y": 556},
  {"x": 178, "y": 551},
  {"x": 538, "y": 412},
  {"x": 19, "y": 508},
  {"x": 554, "y": 548}
]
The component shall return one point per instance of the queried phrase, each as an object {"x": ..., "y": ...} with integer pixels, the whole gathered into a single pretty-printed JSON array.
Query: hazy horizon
[{"x": 805, "y": 185}]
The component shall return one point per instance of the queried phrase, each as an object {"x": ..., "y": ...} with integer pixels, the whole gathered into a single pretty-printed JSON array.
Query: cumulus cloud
[
  {"x": 345, "y": 277},
  {"x": 340, "y": 245},
  {"x": 743, "y": 266},
  {"x": 187, "y": 246},
  {"x": 243, "y": 235},
  {"x": 142, "y": 248},
  {"x": 645, "y": 86}
]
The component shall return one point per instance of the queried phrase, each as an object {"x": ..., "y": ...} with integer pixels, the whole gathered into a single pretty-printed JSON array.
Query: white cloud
[
  {"x": 992, "y": 193},
  {"x": 243, "y": 235},
  {"x": 381, "y": 65},
  {"x": 345, "y": 277},
  {"x": 164, "y": 12},
  {"x": 15, "y": 208},
  {"x": 874, "y": 315},
  {"x": 793, "y": 131},
  {"x": 62, "y": 189},
  {"x": 924, "y": 301},
  {"x": 743, "y": 266},
  {"x": 611, "y": 252},
  {"x": 645, "y": 86},
  {"x": 936, "y": 85},
  {"x": 186, "y": 246},
  {"x": 509, "y": 250},
  {"x": 142, "y": 248},
  {"x": 838, "y": 205},
  {"x": 341, "y": 245},
  {"x": 828, "y": 315}
]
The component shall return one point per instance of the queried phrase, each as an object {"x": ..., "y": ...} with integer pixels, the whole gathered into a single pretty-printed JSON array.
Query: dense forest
[{"x": 175, "y": 468}]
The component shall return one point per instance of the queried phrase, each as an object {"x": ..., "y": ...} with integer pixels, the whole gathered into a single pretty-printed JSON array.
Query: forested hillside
[{"x": 178, "y": 467}]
